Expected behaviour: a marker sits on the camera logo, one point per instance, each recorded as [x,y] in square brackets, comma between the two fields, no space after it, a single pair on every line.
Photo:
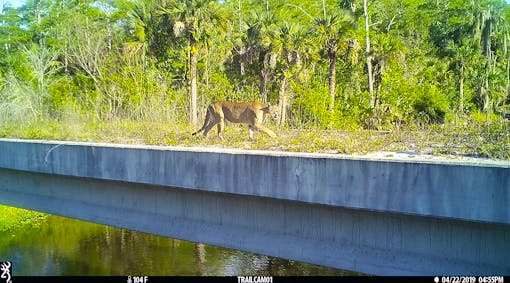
[6,269]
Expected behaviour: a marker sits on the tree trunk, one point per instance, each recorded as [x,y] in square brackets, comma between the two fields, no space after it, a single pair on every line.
[332,81]
[508,80]
[264,75]
[506,40]
[461,88]
[193,79]
[369,57]
[6,44]
[283,100]
[485,95]
[242,50]
[486,36]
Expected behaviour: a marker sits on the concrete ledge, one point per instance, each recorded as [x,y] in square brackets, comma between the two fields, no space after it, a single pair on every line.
[466,190]
[364,241]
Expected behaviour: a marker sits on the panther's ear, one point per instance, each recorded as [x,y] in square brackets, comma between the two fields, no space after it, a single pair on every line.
[266,109]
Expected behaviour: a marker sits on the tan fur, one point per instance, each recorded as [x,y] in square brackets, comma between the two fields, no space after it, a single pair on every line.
[251,113]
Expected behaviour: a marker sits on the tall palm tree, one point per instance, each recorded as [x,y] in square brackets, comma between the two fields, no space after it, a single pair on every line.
[463,56]
[332,30]
[368,55]
[191,19]
[258,47]
[289,40]
[490,30]
[139,18]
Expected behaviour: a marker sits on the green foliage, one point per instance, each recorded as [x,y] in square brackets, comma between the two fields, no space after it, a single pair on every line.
[218,88]
[311,107]
[430,105]
[63,97]
[13,219]
[132,60]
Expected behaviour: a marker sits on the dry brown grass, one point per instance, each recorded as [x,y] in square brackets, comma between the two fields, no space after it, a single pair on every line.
[489,140]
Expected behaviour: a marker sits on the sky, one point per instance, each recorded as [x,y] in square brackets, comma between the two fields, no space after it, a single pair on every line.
[17,3]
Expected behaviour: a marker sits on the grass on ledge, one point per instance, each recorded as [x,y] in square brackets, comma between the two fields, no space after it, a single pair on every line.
[468,138]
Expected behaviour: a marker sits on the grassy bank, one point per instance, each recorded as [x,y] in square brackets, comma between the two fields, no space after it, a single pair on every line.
[13,219]
[470,137]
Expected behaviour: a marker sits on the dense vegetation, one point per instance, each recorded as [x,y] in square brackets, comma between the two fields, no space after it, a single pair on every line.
[13,219]
[329,65]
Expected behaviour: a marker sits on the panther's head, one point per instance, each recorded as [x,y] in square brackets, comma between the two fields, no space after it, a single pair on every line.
[273,111]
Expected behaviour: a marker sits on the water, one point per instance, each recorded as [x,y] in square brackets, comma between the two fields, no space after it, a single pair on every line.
[63,246]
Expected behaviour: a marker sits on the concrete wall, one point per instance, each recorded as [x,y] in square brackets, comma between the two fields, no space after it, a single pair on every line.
[385,216]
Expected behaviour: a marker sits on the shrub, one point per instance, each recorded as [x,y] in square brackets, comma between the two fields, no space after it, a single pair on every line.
[430,105]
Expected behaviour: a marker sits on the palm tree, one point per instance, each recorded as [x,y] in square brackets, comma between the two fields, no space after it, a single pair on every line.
[385,50]
[490,30]
[463,58]
[368,55]
[258,47]
[331,29]
[190,19]
[139,18]
[289,40]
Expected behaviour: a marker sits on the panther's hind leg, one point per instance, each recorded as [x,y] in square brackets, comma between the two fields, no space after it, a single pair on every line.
[221,126]
[209,126]
[250,132]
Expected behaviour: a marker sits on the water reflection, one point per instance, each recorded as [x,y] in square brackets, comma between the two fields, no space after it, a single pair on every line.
[62,246]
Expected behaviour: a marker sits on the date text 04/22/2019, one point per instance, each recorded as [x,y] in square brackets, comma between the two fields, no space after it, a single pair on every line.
[472,279]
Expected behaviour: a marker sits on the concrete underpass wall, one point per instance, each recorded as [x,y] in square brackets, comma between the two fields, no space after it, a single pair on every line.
[373,216]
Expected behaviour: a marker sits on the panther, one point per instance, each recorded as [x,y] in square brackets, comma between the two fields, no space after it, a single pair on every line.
[251,113]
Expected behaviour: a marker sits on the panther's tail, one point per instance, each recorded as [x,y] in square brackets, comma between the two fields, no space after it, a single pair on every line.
[207,119]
